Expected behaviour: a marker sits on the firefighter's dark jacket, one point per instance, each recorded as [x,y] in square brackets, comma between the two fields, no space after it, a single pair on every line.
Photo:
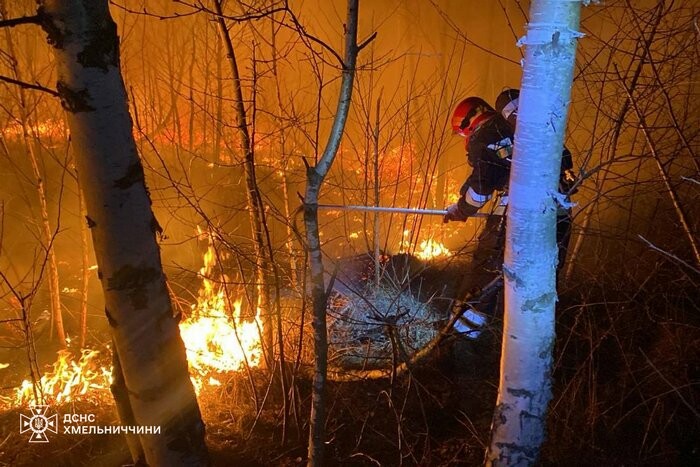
[489,154]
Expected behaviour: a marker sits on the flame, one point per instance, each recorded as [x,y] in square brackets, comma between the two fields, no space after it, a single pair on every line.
[430,249]
[67,381]
[427,249]
[48,129]
[217,337]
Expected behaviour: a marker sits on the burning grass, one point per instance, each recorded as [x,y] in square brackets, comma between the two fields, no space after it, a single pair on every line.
[217,336]
[85,378]
[367,329]
[430,249]
[218,339]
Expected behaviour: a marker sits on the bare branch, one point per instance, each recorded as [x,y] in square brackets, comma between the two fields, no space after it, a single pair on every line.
[12,22]
[198,7]
[145,12]
[464,37]
[673,388]
[679,208]
[669,255]
[313,38]
[255,14]
[510,26]
[22,84]
[366,42]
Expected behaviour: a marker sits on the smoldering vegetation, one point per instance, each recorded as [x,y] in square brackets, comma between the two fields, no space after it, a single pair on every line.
[627,354]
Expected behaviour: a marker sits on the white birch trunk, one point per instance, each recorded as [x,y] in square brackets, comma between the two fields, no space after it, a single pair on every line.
[518,428]
[146,335]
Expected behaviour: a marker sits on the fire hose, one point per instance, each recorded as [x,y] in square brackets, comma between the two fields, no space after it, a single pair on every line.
[420,212]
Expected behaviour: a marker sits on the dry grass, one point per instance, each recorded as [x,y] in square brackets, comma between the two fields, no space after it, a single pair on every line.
[362,326]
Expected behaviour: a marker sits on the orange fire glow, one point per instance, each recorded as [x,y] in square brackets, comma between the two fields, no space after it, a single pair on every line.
[430,249]
[216,337]
[48,129]
[426,250]
[218,340]
[67,381]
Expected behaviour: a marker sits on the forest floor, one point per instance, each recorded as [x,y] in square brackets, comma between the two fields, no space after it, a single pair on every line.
[626,392]
[438,415]
[422,419]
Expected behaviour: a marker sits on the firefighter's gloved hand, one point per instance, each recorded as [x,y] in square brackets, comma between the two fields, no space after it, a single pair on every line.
[460,211]
[453,214]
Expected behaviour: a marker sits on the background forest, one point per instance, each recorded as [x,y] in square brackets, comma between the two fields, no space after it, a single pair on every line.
[230,227]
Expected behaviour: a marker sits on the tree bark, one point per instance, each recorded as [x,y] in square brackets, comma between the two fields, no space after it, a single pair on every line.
[146,336]
[255,204]
[85,283]
[518,427]
[315,176]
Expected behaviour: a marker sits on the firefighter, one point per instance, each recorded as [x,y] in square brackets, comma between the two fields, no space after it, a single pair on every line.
[507,106]
[489,135]
[489,144]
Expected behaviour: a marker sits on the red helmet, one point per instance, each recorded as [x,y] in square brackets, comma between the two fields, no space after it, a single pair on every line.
[469,115]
